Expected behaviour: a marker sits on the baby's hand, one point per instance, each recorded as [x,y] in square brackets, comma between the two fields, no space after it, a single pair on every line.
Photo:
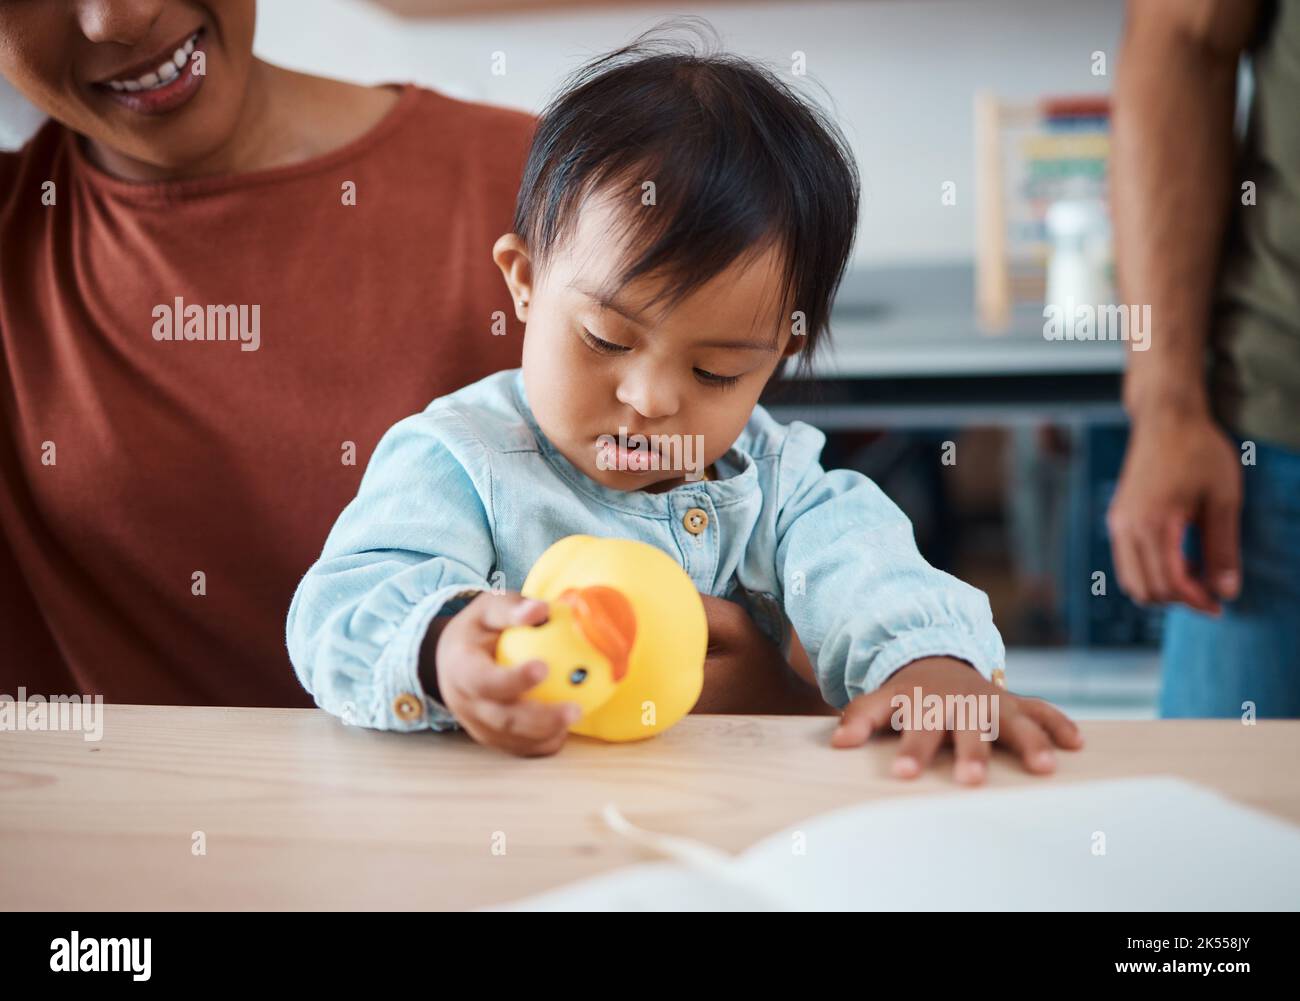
[485,697]
[1028,727]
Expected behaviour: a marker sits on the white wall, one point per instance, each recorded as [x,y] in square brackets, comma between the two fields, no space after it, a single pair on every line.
[18,119]
[900,74]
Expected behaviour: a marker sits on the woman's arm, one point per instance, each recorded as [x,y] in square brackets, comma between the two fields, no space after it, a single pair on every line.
[744,671]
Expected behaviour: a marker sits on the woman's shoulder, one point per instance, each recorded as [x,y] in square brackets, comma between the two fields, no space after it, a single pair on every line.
[23,171]
[463,113]
[459,153]
[470,128]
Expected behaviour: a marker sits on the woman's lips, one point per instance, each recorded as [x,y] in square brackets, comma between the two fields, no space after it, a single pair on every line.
[164,88]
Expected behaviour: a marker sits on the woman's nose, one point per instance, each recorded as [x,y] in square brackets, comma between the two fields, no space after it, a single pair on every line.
[650,396]
[126,22]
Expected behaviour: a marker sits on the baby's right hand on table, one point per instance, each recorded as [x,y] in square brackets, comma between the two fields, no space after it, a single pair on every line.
[485,697]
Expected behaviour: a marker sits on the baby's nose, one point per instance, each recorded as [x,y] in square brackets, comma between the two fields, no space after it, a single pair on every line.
[649,397]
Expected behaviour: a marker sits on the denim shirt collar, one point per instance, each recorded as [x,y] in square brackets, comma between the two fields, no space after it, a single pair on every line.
[733,489]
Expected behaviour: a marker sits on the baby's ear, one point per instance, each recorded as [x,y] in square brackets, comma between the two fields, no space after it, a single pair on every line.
[794,343]
[511,255]
[794,329]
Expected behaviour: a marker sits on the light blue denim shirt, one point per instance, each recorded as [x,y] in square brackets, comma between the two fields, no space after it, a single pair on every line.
[465,497]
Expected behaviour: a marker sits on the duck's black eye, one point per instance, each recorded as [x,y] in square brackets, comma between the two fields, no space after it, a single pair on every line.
[577,676]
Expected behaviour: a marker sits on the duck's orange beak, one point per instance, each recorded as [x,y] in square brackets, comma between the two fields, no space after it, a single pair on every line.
[607,620]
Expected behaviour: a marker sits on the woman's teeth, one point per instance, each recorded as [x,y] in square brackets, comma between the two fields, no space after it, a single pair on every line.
[164,74]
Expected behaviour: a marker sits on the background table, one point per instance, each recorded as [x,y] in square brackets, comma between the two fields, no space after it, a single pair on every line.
[301,811]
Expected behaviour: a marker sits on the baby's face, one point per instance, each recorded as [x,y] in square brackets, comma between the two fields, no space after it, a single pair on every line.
[600,372]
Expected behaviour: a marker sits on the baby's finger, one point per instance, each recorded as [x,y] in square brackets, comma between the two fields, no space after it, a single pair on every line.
[1062,729]
[540,749]
[972,756]
[501,611]
[532,721]
[505,684]
[519,746]
[861,717]
[1023,735]
[915,751]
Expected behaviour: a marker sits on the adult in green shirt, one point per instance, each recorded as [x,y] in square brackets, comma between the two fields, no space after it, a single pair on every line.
[1208,234]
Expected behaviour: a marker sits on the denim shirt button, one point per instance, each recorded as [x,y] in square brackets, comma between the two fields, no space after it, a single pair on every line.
[696,520]
[407,707]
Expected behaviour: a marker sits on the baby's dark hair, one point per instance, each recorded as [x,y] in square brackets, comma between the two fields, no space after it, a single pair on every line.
[738,160]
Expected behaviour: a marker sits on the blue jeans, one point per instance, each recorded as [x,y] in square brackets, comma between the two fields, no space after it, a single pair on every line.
[1251,653]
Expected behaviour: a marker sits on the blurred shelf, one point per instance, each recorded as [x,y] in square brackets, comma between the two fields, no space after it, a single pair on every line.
[905,350]
[920,320]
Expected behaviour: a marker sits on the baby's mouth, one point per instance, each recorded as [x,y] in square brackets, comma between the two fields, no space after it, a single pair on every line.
[632,460]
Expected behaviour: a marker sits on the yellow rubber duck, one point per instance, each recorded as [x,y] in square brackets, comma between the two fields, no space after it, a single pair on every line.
[625,639]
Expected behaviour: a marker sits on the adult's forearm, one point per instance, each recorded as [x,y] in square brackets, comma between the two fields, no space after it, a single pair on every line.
[1171,193]
[745,672]
[763,683]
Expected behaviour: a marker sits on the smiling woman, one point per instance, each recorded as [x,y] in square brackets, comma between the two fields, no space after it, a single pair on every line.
[155,89]
[177,168]
[118,73]
[177,172]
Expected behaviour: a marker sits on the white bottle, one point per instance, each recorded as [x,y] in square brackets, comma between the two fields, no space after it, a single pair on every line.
[1078,270]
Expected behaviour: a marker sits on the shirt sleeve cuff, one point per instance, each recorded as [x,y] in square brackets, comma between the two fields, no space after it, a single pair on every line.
[404,704]
[942,642]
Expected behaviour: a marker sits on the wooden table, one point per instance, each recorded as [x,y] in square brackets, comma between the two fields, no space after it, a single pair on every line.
[299,811]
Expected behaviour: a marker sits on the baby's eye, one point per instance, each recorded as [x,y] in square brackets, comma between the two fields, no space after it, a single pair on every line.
[577,676]
[716,380]
[602,345]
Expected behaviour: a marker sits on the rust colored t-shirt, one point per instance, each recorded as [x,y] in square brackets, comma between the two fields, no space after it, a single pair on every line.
[170,467]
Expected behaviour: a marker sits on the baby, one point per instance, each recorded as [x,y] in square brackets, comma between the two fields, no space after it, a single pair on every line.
[682,226]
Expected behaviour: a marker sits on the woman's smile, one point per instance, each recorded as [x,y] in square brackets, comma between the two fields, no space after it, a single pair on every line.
[159,84]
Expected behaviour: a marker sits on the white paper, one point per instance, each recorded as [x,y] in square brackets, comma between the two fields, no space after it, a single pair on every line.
[1154,843]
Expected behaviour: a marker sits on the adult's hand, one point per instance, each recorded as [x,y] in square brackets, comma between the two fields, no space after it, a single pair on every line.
[1180,469]
[1172,174]
[744,672]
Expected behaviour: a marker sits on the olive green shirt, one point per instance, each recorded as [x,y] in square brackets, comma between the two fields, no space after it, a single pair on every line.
[1255,335]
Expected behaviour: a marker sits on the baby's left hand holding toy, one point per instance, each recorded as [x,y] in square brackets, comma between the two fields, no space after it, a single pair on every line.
[955,699]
